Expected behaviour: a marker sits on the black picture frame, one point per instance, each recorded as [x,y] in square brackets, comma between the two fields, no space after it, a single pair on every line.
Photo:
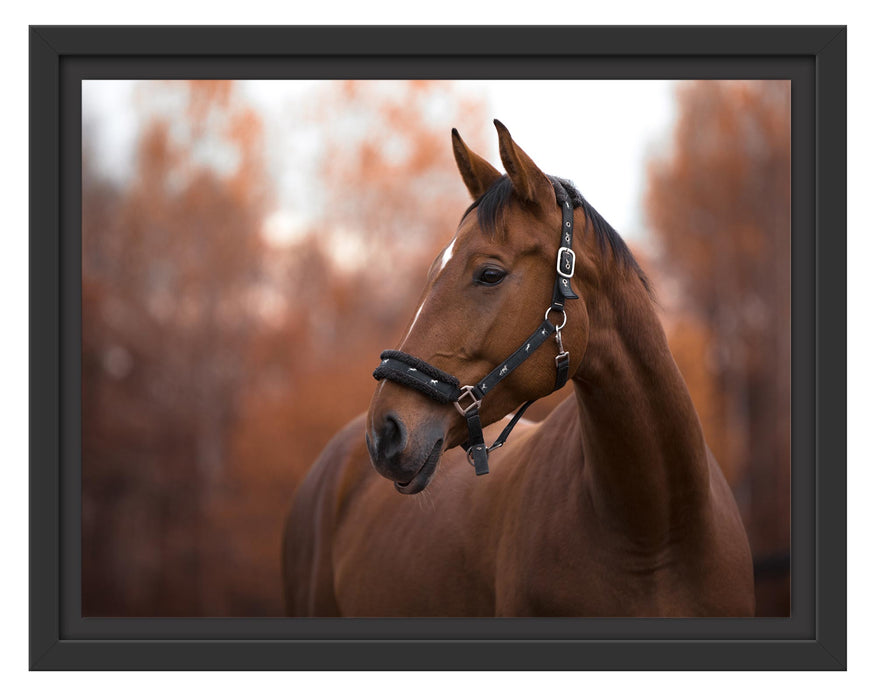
[813,58]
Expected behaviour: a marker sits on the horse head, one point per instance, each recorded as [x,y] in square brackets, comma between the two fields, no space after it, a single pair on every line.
[487,293]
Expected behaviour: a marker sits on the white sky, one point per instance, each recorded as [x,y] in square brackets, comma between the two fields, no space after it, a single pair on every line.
[596,133]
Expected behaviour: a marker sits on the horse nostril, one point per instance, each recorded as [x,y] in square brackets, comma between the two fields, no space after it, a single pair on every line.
[392,438]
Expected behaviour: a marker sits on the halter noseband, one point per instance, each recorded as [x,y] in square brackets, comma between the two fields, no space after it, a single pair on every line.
[444,388]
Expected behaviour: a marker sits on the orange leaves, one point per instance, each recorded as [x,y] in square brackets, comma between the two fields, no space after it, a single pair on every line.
[205,96]
[389,173]
[720,203]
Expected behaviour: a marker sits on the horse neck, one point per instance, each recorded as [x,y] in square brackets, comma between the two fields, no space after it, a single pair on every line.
[645,456]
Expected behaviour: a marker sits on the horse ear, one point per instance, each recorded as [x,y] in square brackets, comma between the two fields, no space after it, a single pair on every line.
[530,183]
[476,172]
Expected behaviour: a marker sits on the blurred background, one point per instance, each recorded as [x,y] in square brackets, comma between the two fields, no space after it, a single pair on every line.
[240,237]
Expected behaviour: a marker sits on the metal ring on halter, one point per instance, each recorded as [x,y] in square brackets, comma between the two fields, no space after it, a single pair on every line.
[562,325]
[469,452]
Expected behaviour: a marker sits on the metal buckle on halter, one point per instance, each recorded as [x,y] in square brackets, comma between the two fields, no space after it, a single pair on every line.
[467,391]
[565,259]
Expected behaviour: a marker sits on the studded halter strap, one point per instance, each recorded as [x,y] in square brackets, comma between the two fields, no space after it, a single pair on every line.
[420,376]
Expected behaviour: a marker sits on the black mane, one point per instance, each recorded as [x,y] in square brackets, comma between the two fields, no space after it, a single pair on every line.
[491,204]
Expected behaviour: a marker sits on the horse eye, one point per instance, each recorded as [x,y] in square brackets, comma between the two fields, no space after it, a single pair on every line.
[490,276]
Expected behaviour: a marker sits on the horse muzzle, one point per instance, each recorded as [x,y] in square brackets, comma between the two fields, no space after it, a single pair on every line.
[423,476]
[407,460]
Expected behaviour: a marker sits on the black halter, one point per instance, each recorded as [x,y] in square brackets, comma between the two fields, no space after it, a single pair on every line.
[417,374]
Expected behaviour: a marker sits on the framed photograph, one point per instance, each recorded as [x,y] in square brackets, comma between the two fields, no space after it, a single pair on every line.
[280,275]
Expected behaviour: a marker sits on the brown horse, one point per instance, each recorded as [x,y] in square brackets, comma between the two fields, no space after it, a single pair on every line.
[612,506]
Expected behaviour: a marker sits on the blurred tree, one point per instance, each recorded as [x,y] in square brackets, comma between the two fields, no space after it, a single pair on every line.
[169,264]
[719,204]
[389,176]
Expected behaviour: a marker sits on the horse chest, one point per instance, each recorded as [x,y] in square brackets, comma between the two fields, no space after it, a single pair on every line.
[584,587]
[569,565]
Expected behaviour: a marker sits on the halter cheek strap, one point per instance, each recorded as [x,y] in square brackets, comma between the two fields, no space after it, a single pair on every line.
[416,374]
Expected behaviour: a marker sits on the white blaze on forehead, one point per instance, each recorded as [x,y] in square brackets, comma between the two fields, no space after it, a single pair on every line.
[448,253]
[445,258]
[418,311]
